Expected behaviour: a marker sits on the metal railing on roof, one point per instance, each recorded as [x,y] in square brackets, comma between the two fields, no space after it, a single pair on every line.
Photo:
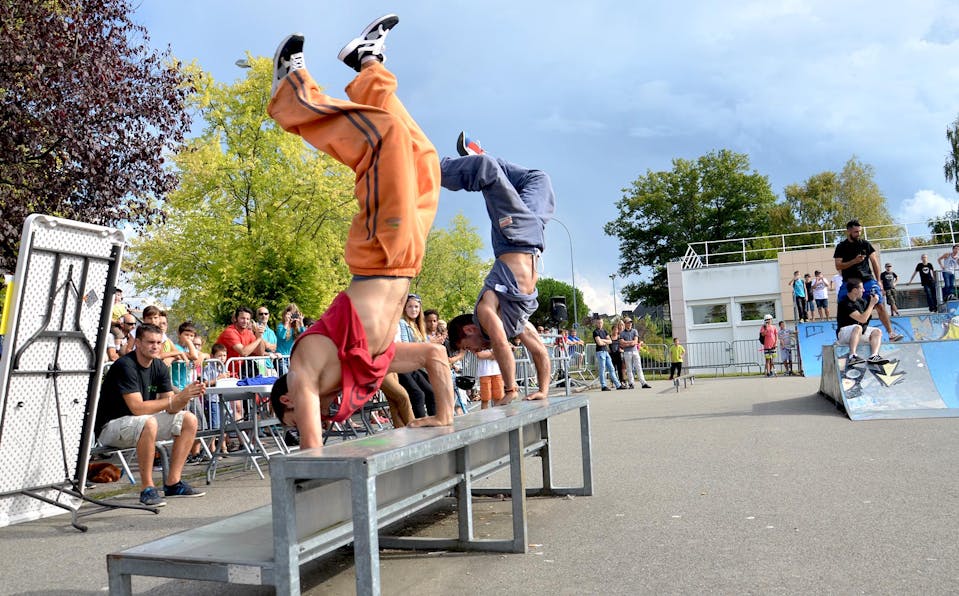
[765,248]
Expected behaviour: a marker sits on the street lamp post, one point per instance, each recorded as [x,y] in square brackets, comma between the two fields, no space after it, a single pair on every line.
[612,276]
[572,271]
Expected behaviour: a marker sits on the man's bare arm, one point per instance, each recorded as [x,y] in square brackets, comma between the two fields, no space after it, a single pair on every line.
[540,356]
[502,349]
[303,383]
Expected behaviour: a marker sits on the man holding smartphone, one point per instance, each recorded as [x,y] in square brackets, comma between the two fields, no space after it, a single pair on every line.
[856,258]
[852,323]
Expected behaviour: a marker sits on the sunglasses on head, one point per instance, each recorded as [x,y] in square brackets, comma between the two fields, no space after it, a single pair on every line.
[414,297]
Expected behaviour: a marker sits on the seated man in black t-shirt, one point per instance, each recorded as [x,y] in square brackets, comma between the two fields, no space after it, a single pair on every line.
[852,323]
[137,407]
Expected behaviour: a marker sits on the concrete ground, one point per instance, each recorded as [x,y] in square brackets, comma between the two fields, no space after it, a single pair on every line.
[739,485]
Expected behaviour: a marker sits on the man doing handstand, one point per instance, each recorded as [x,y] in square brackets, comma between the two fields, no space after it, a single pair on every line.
[350,349]
[520,203]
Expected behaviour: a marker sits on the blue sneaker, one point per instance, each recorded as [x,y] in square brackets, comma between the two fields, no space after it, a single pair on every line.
[151,498]
[467,146]
[371,42]
[181,489]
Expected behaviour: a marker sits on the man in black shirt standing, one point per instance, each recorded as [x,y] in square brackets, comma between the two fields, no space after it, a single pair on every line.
[858,259]
[927,276]
[889,280]
[137,407]
[852,323]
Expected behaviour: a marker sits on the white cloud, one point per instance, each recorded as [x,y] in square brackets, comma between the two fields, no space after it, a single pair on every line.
[925,205]
[598,294]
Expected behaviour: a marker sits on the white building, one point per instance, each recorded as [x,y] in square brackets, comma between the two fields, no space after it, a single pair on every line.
[726,302]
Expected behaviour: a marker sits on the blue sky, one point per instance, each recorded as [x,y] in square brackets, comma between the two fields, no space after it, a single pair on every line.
[597,93]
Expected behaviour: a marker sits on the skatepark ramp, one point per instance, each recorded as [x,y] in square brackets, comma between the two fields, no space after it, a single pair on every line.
[813,336]
[921,380]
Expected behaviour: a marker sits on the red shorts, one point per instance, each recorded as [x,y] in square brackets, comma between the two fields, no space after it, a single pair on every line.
[362,373]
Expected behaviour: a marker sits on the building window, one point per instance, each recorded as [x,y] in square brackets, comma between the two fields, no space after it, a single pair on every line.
[704,314]
[755,311]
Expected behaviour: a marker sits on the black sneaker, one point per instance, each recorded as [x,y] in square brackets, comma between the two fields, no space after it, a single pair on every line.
[371,42]
[288,57]
[606,389]
[877,359]
[181,489]
[151,498]
[645,386]
[291,438]
[631,386]
[622,388]
[854,359]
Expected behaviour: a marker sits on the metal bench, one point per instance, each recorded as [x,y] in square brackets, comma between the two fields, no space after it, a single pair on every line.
[349,491]
[687,378]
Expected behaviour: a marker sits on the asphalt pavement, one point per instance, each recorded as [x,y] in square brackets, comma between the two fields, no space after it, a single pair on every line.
[734,485]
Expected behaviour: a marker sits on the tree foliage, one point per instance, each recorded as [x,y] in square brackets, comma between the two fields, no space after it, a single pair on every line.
[259,217]
[87,110]
[714,197]
[951,167]
[944,229]
[453,272]
[826,201]
[547,287]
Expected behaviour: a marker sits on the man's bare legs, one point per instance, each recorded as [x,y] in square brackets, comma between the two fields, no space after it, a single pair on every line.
[432,357]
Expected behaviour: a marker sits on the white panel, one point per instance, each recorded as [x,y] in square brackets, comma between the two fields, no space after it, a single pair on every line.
[50,356]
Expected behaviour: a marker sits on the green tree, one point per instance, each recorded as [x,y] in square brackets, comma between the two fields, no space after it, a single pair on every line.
[88,111]
[944,229]
[951,167]
[714,197]
[453,272]
[826,201]
[259,217]
[547,287]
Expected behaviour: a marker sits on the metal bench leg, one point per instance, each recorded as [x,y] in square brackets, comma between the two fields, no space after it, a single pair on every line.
[546,460]
[286,558]
[518,489]
[366,540]
[464,496]
[586,446]
[120,583]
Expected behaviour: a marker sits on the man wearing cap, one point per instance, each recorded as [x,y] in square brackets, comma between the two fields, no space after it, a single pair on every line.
[769,336]
[889,279]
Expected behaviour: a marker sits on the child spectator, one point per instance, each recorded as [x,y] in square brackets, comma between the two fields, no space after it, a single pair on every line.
[676,353]
[787,340]
[490,378]
[769,335]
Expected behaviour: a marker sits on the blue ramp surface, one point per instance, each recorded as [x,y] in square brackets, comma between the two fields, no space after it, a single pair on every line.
[813,336]
[921,380]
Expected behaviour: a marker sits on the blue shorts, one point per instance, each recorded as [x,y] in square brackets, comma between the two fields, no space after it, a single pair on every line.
[822,302]
[868,287]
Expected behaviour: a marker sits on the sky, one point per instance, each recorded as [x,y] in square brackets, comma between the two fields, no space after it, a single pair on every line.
[599,93]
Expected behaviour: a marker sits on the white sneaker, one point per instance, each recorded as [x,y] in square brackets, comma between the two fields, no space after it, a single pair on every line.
[371,42]
[288,58]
